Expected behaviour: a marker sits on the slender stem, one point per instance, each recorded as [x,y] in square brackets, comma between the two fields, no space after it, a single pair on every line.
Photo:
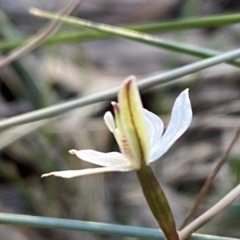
[211,213]
[210,179]
[157,202]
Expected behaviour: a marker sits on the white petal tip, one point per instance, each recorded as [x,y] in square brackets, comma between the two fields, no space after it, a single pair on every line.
[47,175]
[72,151]
[186,91]
[109,121]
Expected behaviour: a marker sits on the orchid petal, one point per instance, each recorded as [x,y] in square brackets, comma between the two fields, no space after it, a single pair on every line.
[155,127]
[103,159]
[132,119]
[181,118]
[111,124]
[78,173]
[109,121]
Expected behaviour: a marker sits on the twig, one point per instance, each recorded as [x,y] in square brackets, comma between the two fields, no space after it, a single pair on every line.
[40,36]
[211,213]
[210,179]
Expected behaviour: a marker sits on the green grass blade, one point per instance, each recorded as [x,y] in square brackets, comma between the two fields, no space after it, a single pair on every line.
[158,79]
[135,36]
[93,227]
[202,22]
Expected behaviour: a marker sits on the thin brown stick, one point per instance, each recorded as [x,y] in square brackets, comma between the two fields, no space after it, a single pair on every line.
[39,37]
[210,179]
[211,213]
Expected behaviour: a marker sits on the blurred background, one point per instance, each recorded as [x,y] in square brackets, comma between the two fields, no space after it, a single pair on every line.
[59,72]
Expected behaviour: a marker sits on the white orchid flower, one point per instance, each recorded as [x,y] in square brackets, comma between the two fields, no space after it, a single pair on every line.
[138,132]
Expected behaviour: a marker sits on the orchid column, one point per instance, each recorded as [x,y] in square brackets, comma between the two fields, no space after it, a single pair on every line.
[139,134]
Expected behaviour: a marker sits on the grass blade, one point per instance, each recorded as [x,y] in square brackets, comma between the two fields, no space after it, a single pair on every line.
[134,35]
[158,79]
[201,22]
[93,227]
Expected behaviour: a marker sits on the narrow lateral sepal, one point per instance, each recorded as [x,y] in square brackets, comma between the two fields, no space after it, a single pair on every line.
[157,202]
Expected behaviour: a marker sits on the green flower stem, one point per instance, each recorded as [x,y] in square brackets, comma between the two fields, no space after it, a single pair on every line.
[157,202]
[93,227]
[134,35]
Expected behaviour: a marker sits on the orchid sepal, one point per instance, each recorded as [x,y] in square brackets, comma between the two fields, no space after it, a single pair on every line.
[88,171]
[180,120]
